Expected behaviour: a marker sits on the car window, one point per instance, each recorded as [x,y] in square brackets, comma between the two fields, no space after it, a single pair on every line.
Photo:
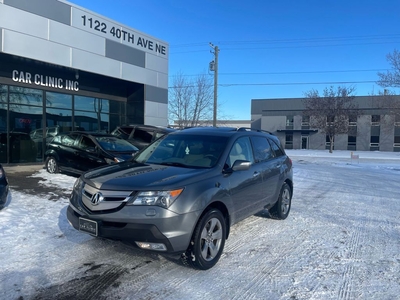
[122,132]
[51,132]
[241,150]
[262,148]
[37,134]
[277,150]
[86,143]
[143,135]
[68,140]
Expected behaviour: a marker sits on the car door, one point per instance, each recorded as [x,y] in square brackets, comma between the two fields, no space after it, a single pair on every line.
[245,185]
[269,167]
[65,150]
[87,154]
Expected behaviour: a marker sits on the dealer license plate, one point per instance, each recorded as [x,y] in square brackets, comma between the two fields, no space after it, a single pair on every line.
[88,226]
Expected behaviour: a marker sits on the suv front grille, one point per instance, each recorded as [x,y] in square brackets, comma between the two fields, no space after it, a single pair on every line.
[96,200]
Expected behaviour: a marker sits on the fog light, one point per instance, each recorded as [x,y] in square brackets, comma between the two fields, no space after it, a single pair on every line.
[151,246]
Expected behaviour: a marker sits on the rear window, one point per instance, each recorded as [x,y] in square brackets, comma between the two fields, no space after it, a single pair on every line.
[143,135]
[123,132]
[278,151]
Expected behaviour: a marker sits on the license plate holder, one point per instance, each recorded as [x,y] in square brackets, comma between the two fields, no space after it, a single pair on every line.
[88,226]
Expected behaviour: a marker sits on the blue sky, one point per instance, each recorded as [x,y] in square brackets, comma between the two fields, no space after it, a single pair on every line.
[268,49]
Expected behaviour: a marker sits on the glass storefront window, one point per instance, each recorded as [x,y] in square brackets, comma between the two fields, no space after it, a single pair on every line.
[57,100]
[25,96]
[92,121]
[3,107]
[92,104]
[60,117]
[3,93]
[25,115]
[24,129]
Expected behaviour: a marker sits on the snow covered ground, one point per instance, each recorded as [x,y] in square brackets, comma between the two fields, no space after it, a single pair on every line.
[340,241]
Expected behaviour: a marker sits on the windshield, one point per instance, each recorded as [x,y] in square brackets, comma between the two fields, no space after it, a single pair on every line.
[115,144]
[184,150]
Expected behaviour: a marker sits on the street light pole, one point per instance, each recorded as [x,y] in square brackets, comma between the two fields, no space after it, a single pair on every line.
[216,51]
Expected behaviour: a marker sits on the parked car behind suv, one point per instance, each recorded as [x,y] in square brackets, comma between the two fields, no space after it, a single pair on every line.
[141,135]
[181,194]
[79,151]
[49,133]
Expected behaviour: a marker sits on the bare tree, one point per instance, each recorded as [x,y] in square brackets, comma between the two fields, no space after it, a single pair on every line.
[191,101]
[388,100]
[391,78]
[330,113]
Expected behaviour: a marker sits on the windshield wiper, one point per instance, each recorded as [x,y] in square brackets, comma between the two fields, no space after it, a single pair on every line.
[175,164]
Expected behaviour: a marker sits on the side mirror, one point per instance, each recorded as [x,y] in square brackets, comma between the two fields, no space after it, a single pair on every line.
[91,149]
[241,165]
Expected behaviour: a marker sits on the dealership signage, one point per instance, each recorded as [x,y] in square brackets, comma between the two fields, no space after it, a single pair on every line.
[44,80]
[97,25]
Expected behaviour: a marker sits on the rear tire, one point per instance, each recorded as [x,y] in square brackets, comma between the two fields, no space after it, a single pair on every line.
[52,165]
[281,208]
[208,241]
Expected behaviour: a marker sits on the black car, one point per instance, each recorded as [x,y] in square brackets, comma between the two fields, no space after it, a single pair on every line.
[181,194]
[78,151]
[141,135]
[4,189]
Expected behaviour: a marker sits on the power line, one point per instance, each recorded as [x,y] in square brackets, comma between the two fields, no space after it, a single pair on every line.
[280,83]
[270,41]
[296,83]
[302,43]
[293,72]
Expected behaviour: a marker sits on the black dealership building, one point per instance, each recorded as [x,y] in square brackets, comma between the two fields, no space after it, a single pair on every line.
[67,67]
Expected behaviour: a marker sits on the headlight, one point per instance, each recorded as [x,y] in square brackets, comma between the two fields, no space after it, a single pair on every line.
[159,198]
[78,185]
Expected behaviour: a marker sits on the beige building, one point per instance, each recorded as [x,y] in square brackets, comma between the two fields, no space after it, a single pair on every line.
[376,129]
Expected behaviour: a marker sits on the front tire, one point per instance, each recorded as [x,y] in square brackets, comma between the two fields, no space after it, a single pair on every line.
[281,208]
[52,165]
[208,241]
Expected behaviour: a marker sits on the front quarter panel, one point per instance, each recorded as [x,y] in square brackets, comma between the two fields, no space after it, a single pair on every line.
[197,196]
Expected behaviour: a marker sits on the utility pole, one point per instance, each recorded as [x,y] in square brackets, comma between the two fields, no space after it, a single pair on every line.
[214,67]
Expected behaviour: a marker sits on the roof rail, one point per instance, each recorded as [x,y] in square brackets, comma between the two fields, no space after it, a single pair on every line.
[253,129]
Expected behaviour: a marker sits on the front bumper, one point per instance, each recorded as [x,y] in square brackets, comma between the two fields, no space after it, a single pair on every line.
[173,232]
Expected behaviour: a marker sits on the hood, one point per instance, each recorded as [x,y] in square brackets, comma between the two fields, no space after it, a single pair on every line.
[128,176]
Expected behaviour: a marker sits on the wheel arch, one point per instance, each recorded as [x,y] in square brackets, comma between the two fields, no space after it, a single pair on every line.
[53,153]
[290,183]
[223,209]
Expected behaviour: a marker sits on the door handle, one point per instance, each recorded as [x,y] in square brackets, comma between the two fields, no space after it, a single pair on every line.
[255,174]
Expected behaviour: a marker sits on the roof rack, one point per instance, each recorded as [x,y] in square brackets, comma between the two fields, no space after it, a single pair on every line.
[253,129]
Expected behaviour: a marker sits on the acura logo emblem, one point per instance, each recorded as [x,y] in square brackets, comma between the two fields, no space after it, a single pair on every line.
[96,198]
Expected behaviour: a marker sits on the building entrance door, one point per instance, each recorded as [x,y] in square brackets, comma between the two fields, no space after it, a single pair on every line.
[304,142]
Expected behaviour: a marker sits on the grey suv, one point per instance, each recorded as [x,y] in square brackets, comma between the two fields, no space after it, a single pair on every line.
[181,194]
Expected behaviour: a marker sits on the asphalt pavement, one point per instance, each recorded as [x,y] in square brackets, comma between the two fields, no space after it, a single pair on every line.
[19,179]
